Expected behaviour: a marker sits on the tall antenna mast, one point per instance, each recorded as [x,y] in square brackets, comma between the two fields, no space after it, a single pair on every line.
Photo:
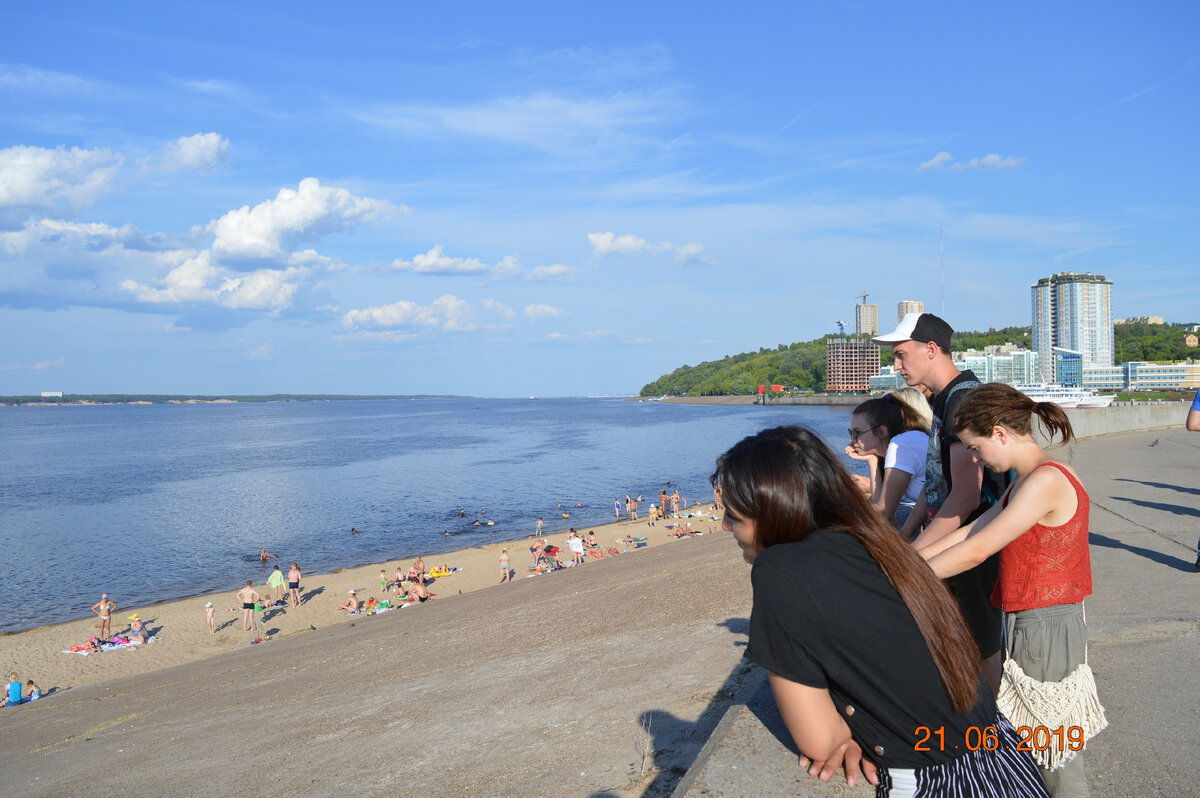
[942,266]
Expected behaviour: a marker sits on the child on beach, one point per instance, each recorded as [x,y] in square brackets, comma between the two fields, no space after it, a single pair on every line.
[505,570]
[35,692]
[383,580]
[210,617]
[1040,528]
[14,691]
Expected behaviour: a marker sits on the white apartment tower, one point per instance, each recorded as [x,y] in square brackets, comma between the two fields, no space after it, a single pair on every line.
[1072,311]
[866,319]
[908,306]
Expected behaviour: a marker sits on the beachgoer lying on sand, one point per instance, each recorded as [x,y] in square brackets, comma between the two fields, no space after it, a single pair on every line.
[350,604]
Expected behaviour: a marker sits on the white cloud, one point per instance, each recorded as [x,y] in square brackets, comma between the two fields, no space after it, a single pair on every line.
[991,162]
[988,162]
[41,365]
[38,180]
[555,336]
[447,313]
[548,122]
[435,261]
[536,312]
[264,351]
[936,162]
[498,308]
[198,280]
[611,244]
[202,152]
[689,253]
[272,229]
[550,272]
[20,77]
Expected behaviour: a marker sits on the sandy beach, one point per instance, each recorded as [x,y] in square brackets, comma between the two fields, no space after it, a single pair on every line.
[181,634]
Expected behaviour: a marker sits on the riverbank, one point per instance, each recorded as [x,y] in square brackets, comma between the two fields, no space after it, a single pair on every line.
[182,636]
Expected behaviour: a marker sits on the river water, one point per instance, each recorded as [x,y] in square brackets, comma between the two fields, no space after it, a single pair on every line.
[156,502]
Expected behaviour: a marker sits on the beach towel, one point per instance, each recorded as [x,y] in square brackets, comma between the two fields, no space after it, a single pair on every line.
[106,647]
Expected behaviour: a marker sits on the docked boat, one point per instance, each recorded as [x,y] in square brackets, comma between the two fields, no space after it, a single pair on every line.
[1065,396]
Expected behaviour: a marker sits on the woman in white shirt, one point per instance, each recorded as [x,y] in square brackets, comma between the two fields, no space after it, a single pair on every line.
[891,435]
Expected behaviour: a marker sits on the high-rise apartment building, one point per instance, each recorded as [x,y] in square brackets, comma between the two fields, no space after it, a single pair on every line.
[1072,311]
[908,306]
[866,319]
[851,365]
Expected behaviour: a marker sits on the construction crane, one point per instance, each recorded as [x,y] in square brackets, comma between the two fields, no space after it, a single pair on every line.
[863,296]
[841,328]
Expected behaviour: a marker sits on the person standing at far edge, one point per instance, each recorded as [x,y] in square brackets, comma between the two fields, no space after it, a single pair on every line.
[1193,425]
[957,489]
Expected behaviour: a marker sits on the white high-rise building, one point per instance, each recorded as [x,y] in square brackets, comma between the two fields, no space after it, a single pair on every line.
[1072,311]
[866,319]
[908,306]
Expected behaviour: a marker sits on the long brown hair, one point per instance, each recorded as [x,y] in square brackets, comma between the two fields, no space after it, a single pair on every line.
[790,484]
[996,404]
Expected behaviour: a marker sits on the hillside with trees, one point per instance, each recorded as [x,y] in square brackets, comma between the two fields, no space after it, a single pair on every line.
[802,365]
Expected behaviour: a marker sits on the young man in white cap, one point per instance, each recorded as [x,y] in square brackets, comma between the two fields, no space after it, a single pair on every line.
[957,489]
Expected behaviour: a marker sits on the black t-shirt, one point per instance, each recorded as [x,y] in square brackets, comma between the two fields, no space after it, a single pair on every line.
[825,615]
[972,588]
[945,405]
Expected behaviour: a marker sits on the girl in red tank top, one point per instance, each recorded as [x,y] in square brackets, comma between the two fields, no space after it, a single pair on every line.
[1040,525]
[1040,528]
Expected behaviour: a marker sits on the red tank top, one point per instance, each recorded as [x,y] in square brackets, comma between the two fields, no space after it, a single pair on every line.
[1047,565]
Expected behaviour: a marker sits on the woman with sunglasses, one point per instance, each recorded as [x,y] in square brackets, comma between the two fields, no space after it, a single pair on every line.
[891,436]
[869,659]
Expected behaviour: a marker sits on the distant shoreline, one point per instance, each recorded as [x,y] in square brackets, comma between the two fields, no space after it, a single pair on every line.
[91,400]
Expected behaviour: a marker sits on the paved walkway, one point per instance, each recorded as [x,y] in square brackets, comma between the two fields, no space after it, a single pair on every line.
[1143,628]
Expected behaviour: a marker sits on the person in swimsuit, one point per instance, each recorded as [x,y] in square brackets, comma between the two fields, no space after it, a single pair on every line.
[105,608]
[350,604]
[210,617]
[265,555]
[138,630]
[294,585]
[248,595]
[505,571]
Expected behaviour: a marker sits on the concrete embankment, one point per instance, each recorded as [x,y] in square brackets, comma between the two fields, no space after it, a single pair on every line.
[1142,628]
[1092,422]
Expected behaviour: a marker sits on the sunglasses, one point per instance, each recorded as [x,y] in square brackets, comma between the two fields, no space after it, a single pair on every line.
[855,434]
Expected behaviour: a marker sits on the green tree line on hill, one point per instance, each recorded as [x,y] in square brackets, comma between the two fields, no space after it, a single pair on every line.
[803,365]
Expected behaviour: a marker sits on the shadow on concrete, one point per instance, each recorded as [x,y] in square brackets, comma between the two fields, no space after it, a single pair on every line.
[1176,509]
[661,728]
[1163,485]
[1096,539]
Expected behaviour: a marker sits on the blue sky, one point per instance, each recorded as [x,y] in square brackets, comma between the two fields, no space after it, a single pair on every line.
[550,199]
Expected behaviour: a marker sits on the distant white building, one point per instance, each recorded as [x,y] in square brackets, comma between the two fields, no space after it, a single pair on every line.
[1007,363]
[907,306]
[1072,311]
[866,319]
[52,394]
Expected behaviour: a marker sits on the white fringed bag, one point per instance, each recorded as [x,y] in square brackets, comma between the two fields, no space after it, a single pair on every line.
[1025,701]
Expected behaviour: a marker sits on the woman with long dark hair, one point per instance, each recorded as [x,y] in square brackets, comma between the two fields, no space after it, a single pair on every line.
[1040,528]
[867,654]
